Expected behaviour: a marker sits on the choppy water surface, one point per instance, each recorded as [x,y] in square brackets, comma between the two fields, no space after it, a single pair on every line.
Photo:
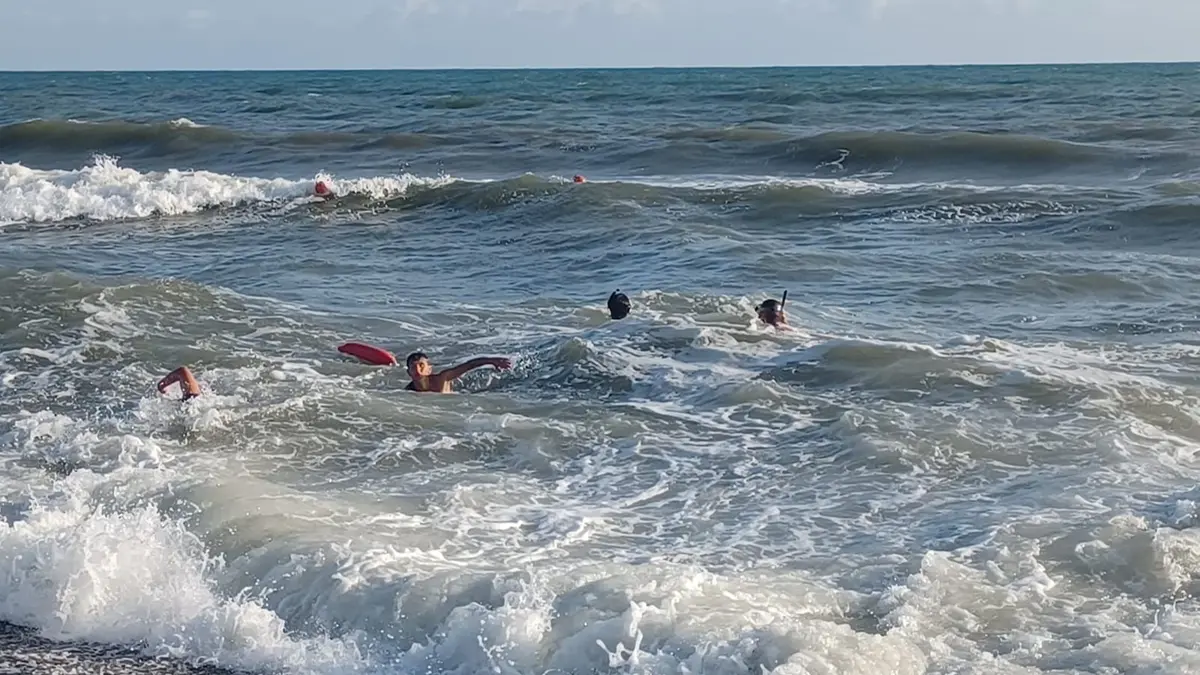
[975,452]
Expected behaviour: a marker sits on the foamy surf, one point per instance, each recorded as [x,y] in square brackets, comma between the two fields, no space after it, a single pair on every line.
[975,453]
[80,568]
[106,191]
[716,183]
[861,185]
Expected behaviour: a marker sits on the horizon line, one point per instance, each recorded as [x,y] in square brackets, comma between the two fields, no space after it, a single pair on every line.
[301,69]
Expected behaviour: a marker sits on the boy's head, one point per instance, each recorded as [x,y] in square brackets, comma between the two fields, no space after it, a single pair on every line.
[418,365]
[618,305]
[771,312]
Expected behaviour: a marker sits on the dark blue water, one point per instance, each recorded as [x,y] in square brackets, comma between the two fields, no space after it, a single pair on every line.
[974,451]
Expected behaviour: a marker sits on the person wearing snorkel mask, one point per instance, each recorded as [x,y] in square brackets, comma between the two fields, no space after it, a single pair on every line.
[771,313]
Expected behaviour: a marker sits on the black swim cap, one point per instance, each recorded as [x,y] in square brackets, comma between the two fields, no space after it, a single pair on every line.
[413,358]
[618,305]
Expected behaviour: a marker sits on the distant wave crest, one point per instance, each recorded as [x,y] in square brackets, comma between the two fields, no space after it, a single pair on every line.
[181,135]
[106,191]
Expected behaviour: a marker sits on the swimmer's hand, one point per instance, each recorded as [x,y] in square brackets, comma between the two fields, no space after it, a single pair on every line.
[500,363]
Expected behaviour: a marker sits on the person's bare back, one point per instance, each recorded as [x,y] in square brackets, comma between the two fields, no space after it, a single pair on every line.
[424,380]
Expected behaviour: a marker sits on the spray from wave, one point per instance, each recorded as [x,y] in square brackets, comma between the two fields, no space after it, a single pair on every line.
[107,191]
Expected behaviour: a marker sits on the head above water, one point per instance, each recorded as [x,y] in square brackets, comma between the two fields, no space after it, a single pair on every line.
[418,365]
[618,305]
[771,312]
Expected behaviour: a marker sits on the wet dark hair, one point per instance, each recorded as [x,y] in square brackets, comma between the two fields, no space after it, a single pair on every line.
[771,305]
[769,311]
[413,358]
[618,305]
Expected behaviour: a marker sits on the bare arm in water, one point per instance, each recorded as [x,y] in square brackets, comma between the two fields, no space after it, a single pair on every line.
[451,374]
[424,379]
[187,382]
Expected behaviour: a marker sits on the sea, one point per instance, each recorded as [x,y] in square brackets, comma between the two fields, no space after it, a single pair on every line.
[973,451]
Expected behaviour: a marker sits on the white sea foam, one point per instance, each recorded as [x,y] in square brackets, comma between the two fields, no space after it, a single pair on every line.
[734,182]
[384,187]
[891,513]
[107,191]
[76,569]
[860,185]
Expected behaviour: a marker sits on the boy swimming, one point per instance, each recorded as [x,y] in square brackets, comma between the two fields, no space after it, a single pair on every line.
[419,369]
[426,381]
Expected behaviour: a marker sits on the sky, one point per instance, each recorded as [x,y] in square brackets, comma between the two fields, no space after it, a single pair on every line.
[337,34]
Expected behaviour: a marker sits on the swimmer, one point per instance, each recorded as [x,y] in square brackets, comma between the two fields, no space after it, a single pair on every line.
[426,381]
[187,383]
[321,190]
[579,178]
[419,369]
[618,305]
[771,312]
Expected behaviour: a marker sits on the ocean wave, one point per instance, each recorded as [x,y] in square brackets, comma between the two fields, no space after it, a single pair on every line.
[76,569]
[943,154]
[734,133]
[956,147]
[847,149]
[1180,188]
[110,136]
[273,591]
[1052,377]
[107,191]
[1120,133]
[709,522]
[872,93]
[1177,213]
[667,149]
[180,135]
[904,372]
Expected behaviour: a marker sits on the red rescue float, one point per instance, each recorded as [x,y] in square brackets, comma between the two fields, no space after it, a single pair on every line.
[369,354]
